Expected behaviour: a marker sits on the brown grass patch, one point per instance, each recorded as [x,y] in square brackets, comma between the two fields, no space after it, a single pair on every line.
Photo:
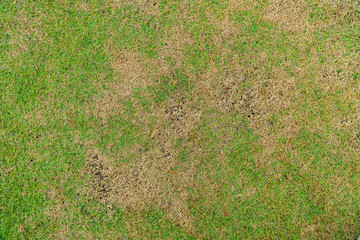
[97,167]
[84,6]
[142,183]
[290,14]
[280,92]
[147,6]
[293,15]
[24,30]
[176,40]
[57,213]
[339,4]
[258,103]
[109,103]
[131,70]
[155,177]
[132,73]
[174,120]
[151,178]
[242,5]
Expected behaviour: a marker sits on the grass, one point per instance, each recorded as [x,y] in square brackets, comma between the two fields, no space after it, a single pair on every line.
[179,119]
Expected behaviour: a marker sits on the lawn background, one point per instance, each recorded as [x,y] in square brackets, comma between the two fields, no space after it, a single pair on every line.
[179,119]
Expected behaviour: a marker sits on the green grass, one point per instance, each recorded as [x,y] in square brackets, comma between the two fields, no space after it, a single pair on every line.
[220,175]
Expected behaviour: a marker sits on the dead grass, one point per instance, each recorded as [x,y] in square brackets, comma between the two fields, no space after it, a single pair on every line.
[148,6]
[142,183]
[295,15]
[131,71]
[291,15]
[176,40]
[242,5]
[272,90]
[58,212]
[27,30]
[156,177]
[258,103]
[150,179]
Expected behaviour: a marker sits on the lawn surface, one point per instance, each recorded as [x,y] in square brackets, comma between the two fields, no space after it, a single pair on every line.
[159,119]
